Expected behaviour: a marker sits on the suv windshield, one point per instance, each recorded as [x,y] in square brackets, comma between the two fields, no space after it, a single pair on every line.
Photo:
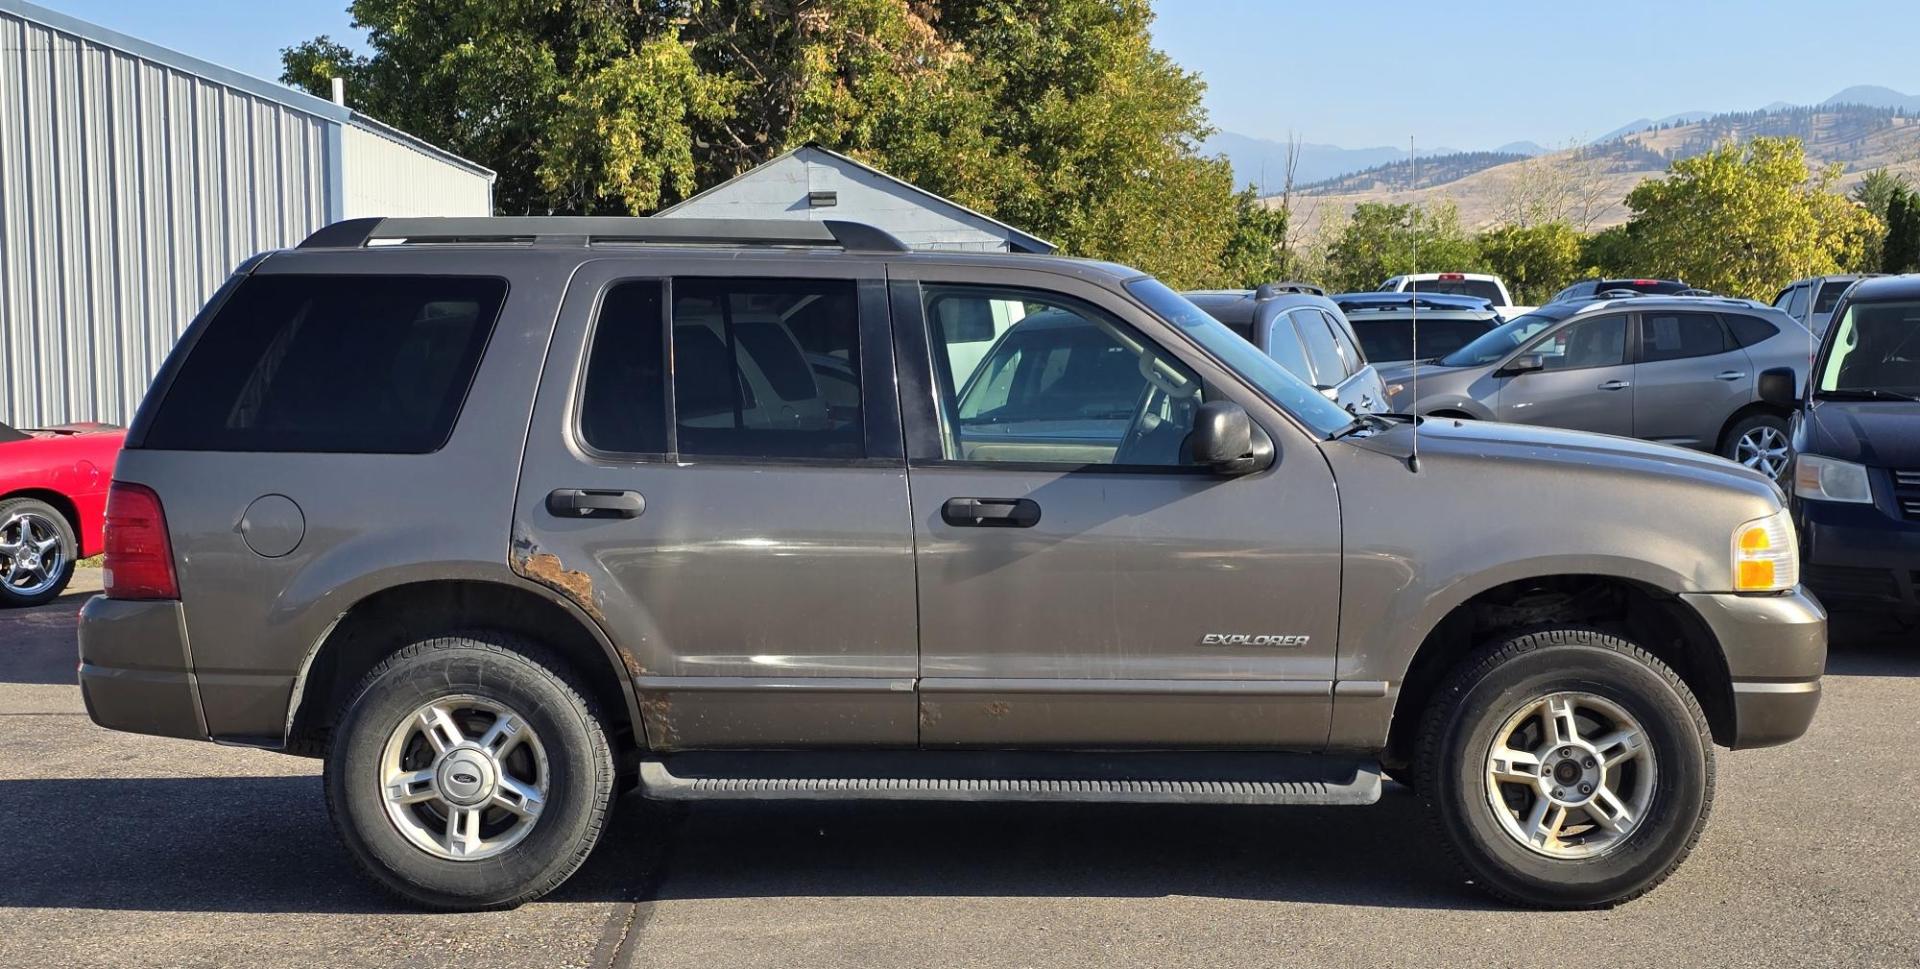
[1390,338]
[1258,369]
[1875,350]
[1501,340]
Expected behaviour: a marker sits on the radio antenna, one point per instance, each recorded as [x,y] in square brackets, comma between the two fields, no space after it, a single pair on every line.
[1413,229]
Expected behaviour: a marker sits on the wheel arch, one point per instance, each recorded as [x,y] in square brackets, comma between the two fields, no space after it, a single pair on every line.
[61,503]
[1657,620]
[383,621]
[1750,409]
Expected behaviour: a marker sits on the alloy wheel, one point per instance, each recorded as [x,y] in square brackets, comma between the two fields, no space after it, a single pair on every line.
[464,778]
[1570,776]
[31,557]
[1764,449]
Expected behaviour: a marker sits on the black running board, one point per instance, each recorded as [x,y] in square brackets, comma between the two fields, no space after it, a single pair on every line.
[1147,778]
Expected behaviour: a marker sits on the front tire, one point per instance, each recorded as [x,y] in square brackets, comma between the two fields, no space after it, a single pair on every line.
[37,552]
[1566,768]
[469,773]
[1759,442]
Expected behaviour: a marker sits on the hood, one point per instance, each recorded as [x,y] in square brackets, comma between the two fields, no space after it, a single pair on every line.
[1401,371]
[1880,433]
[1576,451]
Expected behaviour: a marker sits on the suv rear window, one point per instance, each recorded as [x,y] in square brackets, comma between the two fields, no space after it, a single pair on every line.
[1830,293]
[1485,289]
[331,363]
[1748,330]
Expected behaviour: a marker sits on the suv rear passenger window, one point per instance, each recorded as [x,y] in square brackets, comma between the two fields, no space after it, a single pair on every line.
[1317,333]
[1672,336]
[624,404]
[1748,330]
[329,363]
[767,368]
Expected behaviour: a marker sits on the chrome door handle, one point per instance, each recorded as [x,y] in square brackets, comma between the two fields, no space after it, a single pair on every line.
[1616,385]
[1729,375]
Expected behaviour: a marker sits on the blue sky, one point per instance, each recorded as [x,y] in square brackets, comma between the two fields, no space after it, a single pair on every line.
[1357,74]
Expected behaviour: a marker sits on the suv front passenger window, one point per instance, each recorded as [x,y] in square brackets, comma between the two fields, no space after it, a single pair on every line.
[1597,342]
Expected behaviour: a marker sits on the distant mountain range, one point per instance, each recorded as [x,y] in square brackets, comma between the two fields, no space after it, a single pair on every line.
[1262,162]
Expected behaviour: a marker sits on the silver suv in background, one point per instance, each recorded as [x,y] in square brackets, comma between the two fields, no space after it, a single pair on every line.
[504,517]
[1384,323]
[1305,332]
[1811,301]
[1675,369]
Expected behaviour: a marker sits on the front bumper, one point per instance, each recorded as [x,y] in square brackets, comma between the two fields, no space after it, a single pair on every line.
[1859,557]
[135,672]
[1776,651]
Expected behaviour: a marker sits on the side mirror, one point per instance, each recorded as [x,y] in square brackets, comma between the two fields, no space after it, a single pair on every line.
[1225,439]
[1780,387]
[1524,363]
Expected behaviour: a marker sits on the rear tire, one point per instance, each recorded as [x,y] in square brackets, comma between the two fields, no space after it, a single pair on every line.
[484,731]
[37,552]
[1529,725]
[1759,442]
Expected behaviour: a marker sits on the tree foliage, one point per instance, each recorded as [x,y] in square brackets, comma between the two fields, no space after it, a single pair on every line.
[1536,261]
[1381,240]
[1058,116]
[1744,217]
[1900,252]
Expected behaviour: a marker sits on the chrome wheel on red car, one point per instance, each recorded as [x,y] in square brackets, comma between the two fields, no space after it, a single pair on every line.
[36,552]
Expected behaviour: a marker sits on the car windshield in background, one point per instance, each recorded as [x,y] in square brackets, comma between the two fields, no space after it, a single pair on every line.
[1876,350]
[1391,339]
[1290,392]
[1501,340]
[1830,293]
[9,434]
[1485,289]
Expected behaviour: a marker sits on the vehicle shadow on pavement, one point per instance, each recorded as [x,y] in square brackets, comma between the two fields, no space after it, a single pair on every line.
[263,845]
[37,644]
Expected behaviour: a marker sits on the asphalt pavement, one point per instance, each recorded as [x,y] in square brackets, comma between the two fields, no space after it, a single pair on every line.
[117,850]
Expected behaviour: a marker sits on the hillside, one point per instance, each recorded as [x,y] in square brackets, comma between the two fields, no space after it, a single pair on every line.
[1860,137]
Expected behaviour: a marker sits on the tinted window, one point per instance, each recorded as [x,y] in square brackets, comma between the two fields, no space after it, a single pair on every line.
[1830,293]
[767,368]
[1748,330]
[1349,350]
[624,404]
[1598,342]
[364,364]
[1324,354]
[1797,302]
[1875,348]
[1284,347]
[1066,384]
[1671,336]
[1388,340]
[1483,288]
[1649,286]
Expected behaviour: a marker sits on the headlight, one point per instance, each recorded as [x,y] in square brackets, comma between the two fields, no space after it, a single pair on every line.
[1393,390]
[1766,557]
[1824,479]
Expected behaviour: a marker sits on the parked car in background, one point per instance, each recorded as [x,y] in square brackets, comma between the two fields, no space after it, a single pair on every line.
[1384,323]
[1485,286]
[1856,441]
[1298,326]
[1810,301]
[1675,369]
[53,496]
[1592,288]
[502,528]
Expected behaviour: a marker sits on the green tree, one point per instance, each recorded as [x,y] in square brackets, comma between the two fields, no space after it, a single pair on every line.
[1380,240]
[1744,218]
[1535,260]
[1614,251]
[1055,115]
[1256,250]
[1901,249]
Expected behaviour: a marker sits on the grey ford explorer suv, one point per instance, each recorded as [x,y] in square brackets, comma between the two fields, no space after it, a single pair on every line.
[1675,369]
[504,517]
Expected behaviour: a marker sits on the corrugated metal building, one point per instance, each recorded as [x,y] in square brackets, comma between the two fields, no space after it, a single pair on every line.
[134,178]
[812,182]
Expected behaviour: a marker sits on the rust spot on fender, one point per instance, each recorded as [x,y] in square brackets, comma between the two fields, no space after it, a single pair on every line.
[657,710]
[547,569]
[929,714]
[997,709]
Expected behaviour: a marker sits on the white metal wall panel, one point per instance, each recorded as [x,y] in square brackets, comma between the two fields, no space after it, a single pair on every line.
[385,176]
[129,189]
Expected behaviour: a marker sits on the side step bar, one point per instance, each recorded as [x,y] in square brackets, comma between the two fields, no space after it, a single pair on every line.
[1151,778]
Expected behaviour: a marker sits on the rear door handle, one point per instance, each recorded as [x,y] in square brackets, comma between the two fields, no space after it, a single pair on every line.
[586,503]
[1729,375]
[1616,385]
[991,512]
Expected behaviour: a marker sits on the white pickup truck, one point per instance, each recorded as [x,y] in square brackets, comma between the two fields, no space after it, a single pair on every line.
[1484,285]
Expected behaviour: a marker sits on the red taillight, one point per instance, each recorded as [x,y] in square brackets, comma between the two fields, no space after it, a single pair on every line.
[1646,282]
[139,554]
[1452,277]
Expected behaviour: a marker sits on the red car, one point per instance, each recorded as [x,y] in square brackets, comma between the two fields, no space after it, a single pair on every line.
[53,504]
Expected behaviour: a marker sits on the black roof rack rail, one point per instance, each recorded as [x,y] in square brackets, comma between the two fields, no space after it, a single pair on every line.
[585,230]
[1270,290]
